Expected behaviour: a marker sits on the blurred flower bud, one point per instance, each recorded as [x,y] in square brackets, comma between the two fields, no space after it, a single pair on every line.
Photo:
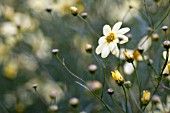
[117,77]
[74,102]
[94,86]
[149,29]
[129,35]
[149,61]
[49,9]
[128,57]
[84,15]
[53,94]
[88,48]
[53,108]
[55,51]
[157,0]
[130,7]
[164,28]
[35,86]
[110,91]
[155,36]
[140,49]
[74,11]
[92,68]
[156,99]
[146,97]
[166,44]
[127,84]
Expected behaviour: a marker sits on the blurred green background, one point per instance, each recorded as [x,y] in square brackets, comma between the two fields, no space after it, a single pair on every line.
[28,33]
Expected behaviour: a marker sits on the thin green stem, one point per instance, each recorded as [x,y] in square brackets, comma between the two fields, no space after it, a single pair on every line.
[42,99]
[104,81]
[125,98]
[166,61]
[63,64]
[131,93]
[139,85]
[118,106]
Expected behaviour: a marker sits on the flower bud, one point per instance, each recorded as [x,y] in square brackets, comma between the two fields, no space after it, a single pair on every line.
[156,99]
[88,48]
[49,9]
[117,77]
[128,84]
[55,51]
[155,36]
[74,11]
[84,15]
[129,35]
[53,108]
[149,30]
[140,49]
[164,28]
[128,57]
[110,91]
[94,86]
[166,44]
[35,86]
[92,68]
[53,94]
[146,97]
[74,102]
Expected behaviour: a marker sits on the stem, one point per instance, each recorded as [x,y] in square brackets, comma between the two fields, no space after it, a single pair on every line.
[116,104]
[45,103]
[166,61]
[104,81]
[139,85]
[125,98]
[63,64]
[131,93]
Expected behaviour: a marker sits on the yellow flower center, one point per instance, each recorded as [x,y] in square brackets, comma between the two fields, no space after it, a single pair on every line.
[110,37]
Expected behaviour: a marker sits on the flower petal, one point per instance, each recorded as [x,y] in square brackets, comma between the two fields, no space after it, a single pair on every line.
[116,27]
[123,39]
[102,40]
[105,52]
[106,30]
[145,42]
[115,51]
[128,68]
[112,45]
[100,48]
[164,55]
[122,31]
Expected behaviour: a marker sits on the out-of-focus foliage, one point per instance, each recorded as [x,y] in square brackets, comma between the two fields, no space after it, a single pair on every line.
[29,31]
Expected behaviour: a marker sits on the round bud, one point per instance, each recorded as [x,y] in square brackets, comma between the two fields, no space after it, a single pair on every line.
[149,29]
[74,11]
[166,44]
[164,28]
[129,35]
[53,108]
[49,9]
[140,49]
[156,99]
[35,86]
[110,91]
[92,68]
[127,84]
[74,102]
[53,94]
[155,36]
[55,51]
[84,15]
[88,48]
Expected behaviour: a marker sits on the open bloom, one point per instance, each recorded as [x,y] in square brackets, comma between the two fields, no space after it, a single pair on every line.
[146,97]
[117,77]
[108,42]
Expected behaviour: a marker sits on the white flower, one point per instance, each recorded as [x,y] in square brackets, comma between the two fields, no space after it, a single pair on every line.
[108,42]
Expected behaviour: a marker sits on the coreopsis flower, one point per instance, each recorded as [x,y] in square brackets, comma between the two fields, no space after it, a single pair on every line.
[146,97]
[112,37]
[117,77]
